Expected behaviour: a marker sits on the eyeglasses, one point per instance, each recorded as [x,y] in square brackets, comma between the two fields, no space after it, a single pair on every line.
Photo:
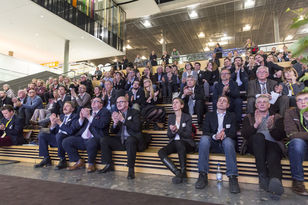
[121,102]
[301,100]
[96,101]
[225,74]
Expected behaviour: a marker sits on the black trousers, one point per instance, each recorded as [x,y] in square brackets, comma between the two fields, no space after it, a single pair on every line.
[268,156]
[200,110]
[176,146]
[109,144]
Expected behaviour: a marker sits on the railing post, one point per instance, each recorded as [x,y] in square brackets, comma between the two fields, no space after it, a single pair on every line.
[66,56]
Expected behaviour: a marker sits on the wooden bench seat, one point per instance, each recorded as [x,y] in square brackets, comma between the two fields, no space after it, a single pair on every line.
[149,162]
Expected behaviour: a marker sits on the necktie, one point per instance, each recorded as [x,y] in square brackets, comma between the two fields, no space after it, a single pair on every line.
[64,120]
[123,131]
[263,88]
[89,134]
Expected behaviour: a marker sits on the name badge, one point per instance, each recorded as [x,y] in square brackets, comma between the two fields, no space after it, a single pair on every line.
[11,127]
[138,96]
[296,119]
[184,124]
[129,118]
[228,126]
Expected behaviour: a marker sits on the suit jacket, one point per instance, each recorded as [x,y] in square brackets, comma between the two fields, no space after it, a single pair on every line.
[14,130]
[210,124]
[155,78]
[7,101]
[199,95]
[254,87]
[99,126]
[233,93]
[113,98]
[89,86]
[211,76]
[85,101]
[185,130]
[292,125]
[69,127]
[277,132]
[243,75]
[272,68]
[35,103]
[133,125]
[140,97]
[58,106]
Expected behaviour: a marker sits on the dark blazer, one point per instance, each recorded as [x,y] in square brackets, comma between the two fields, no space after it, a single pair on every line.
[155,77]
[210,124]
[14,130]
[89,86]
[233,93]
[243,75]
[199,95]
[58,106]
[185,130]
[6,101]
[140,97]
[293,126]
[69,127]
[254,87]
[133,125]
[99,126]
[272,68]
[211,76]
[113,98]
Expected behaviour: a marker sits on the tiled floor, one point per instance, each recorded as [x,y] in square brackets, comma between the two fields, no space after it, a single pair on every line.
[154,184]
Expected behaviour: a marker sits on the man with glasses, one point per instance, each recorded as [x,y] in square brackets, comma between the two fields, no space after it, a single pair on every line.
[92,128]
[263,85]
[127,127]
[296,127]
[226,86]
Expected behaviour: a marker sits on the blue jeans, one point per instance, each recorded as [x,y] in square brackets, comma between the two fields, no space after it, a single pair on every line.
[298,152]
[226,146]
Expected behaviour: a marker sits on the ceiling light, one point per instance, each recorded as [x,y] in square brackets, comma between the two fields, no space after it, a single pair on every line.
[193,14]
[41,16]
[128,46]
[289,37]
[143,58]
[211,44]
[247,27]
[115,60]
[201,35]
[206,49]
[147,24]
[36,34]
[249,4]
[161,41]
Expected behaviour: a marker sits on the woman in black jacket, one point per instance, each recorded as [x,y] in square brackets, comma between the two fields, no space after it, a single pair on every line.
[181,141]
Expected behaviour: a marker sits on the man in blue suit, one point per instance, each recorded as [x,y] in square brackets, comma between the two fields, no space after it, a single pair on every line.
[92,127]
[33,102]
[10,127]
[60,128]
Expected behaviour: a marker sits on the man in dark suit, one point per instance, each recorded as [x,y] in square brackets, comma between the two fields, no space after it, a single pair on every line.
[263,85]
[136,96]
[219,134]
[194,100]
[83,99]
[228,87]
[275,71]
[63,97]
[4,99]
[92,128]
[33,102]
[60,128]
[169,83]
[87,83]
[127,127]
[10,128]
[239,74]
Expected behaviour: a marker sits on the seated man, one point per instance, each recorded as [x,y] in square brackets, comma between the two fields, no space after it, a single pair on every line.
[92,127]
[10,128]
[239,75]
[263,85]
[33,102]
[229,88]
[83,99]
[193,97]
[136,96]
[127,126]
[60,128]
[263,132]
[296,127]
[219,134]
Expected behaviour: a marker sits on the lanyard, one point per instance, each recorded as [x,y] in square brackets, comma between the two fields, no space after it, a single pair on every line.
[8,122]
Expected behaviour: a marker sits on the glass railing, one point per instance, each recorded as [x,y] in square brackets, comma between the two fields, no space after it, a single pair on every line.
[102,19]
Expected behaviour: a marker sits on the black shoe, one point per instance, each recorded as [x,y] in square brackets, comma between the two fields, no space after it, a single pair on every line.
[178,178]
[62,164]
[45,162]
[234,188]
[107,168]
[275,186]
[131,173]
[263,182]
[202,181]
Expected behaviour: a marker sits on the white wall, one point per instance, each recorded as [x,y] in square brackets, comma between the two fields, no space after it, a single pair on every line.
[12,68]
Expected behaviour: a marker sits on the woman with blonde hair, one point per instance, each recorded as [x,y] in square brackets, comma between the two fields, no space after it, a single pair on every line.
[290,84]
[150,112]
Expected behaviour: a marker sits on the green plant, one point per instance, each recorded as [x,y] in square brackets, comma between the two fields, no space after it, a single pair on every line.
[300,47]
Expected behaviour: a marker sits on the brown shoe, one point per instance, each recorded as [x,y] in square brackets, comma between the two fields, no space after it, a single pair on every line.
[298,187]
[91,168]
[77,165]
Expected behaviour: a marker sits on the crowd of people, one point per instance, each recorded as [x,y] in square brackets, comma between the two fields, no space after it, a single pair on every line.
[80,116]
